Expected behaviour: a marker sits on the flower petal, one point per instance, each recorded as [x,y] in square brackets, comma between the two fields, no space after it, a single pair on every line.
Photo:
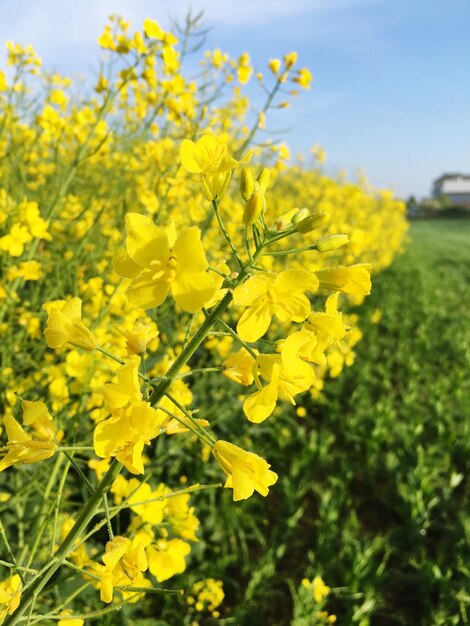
[191,290]
[147,293]
[295,280]
[251,289]
[294,307]
[254,322]
[189,251]
[125,266]
[261,404]
[145,241]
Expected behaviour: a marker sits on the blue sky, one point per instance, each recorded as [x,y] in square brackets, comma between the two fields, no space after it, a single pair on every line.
[391,90]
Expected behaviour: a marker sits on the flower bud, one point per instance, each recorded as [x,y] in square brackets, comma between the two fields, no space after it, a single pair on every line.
[253,209]
[311,222]
[284,220]
[331,242]
[263,179]
[247,184]
[300,215]
[290,59]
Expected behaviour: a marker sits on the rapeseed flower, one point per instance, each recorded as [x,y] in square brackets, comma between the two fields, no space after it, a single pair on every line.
[239,367]
[166,558]
[133,422]
[64,325]
[246,472]
[138,338]
[10,595]
[22,446]
[265,296]
[124,563]
[14,242]
[159,261]
[210,158]
[206,156]
[354,280]
[287,375]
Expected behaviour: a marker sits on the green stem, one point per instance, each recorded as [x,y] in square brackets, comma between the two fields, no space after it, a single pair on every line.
[38,528]
[225,233]
[110,355]
[40,581]
[291,251]
[159,389]
[203,433]
[233,334]
[200,370]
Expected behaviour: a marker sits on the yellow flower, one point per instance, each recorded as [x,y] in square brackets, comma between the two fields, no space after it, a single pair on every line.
[22,447]
[303,78]
[246,472]
[266,296]
[166,558]
[326,328]
[133,424]
[210,158]
[218,58]
[206,156]
[64,325]
[106,40]
[10,595]
[288,375]
[28,270]
[3,82]
[209,595]
[36,414]
[138,338]
[244,69]
[124,564]
[319,589]
[160,261]
[30,214]
[290,59]
[214,186]
[153,30]
[274,65]
[147,504]
[13,243]
[181,517]
[354,279]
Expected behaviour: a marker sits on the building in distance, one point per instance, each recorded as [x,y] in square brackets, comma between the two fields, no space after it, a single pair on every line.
[454,189]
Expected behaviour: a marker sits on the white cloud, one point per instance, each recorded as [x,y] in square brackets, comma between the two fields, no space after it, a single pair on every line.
[49,24]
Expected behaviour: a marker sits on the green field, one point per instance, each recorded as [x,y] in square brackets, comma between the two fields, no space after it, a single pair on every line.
[403,414]
[373,481]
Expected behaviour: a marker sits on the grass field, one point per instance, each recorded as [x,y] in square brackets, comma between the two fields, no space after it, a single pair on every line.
[375,501]
[403,411]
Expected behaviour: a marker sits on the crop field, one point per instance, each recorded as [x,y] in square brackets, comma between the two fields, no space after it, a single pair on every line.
[209,413]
